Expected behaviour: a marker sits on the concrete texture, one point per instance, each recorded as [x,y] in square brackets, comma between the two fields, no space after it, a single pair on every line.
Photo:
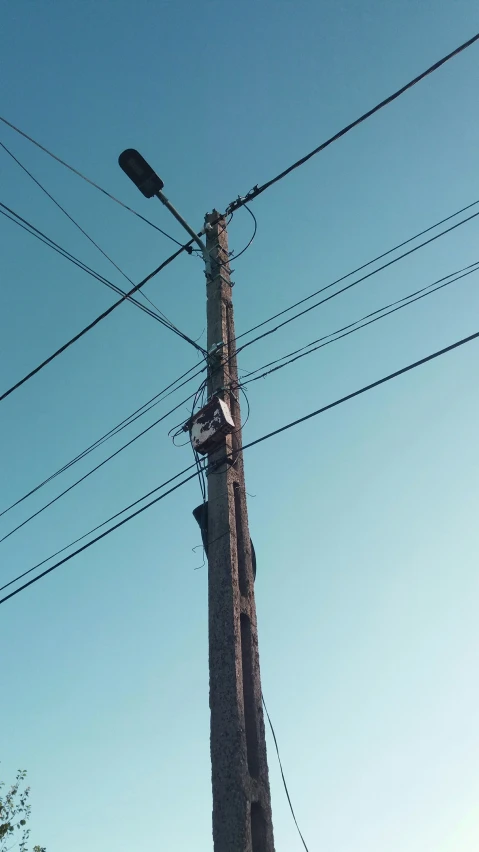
[242,820]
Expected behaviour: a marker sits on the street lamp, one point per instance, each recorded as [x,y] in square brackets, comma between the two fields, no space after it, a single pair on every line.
[150,184]
[140,172]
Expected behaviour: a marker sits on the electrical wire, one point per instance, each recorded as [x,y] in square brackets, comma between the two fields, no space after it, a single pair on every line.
[257,441]
[93,470]
[363,278]
[88,180]
[353,283]
[201,475]
[43,238]
[188,245]
[99,526]
[257,190]
[359,280]
[249,378]
[236,256]
[94,540]
[79,227]
[112,432]
[349,329]
[245,249]
[248,412]
[143,409]
[98,319]
[200,393]
[282,773]
[364,389]
[360,268]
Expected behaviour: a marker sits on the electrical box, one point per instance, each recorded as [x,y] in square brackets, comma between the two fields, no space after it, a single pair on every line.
[209,426]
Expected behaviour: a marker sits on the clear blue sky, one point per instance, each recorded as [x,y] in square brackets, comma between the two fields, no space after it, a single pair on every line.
[364,520]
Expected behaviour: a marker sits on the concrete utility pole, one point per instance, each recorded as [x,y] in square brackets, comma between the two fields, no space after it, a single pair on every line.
[242,820]
[241,797]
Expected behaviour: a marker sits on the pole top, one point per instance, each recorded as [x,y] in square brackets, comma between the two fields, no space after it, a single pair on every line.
[213,218]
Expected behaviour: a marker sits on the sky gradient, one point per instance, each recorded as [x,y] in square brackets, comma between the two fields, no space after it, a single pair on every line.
[364,520]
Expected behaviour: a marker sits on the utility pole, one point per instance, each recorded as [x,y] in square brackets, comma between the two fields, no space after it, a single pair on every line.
[242,820]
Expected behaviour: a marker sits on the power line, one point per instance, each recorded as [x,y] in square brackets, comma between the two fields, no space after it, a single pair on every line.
[247,446]
[78,226]
[88,180]
[57,204]
[98,319]
[98,537]
[188,246]
[353,283]
[127,421]
[282,773]
[130,420]
[349,329]
[250,376]
[362,390]
[360,268]
[94,469]
[46,240]
[364,266]
[99,526]
[257,190]
[250,241]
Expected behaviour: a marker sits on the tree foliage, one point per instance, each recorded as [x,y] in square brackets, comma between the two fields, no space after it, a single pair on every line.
[14,815]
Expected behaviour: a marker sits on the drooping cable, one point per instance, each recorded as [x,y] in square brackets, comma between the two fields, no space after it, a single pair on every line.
[250,241]
[233,256]
[282,773]
[257,190]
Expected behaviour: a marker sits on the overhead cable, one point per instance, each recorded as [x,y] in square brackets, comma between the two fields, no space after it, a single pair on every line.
[352,327]
[282,773]
[364,389]
[78,226]
[46,240]
[360,268]
[257,190]
[94,469]
[95,322]
[260,440]
[88,180]
[115,430]
[353,283]
[99,526]
[251,376]
[98,537]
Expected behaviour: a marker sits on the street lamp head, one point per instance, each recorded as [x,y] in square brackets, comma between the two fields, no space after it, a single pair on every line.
[142,175]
